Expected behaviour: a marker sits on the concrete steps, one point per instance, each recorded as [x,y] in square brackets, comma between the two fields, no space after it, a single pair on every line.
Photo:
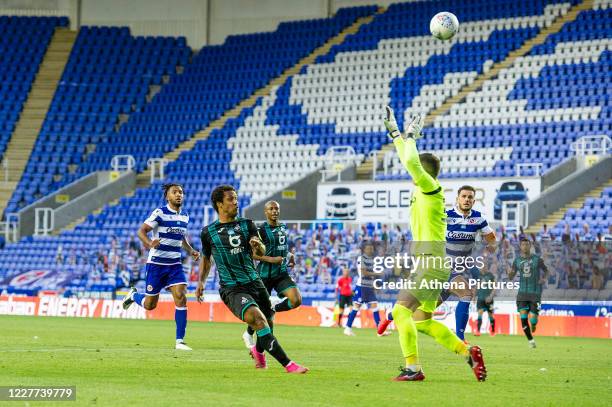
[35,109]
[556,217]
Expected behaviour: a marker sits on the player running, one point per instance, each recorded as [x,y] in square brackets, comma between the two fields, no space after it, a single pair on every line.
[345,293]
[230,240]
[365,293]
[533,273]
[273,266]
[413,310]
[463,224]
[164,267]
[484,301]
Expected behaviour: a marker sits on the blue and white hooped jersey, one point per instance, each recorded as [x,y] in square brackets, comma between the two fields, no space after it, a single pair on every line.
[368,264]
[461,231]
[170,228]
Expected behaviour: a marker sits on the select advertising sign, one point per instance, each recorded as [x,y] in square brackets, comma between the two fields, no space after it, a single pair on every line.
[389,201]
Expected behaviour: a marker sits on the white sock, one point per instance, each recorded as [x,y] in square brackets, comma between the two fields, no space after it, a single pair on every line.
[413,368]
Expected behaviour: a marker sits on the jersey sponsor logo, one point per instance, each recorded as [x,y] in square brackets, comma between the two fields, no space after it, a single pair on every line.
[459,235]
[526,269]
[178,231]
[234,240]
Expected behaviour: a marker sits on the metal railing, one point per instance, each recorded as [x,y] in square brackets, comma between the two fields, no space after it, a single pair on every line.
[123,163]
[592,145]
[525,166]
[44,221]
[336,160]
[10,228]
[157,166]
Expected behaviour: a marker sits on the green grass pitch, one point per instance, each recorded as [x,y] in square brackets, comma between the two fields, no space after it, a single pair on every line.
[133,363]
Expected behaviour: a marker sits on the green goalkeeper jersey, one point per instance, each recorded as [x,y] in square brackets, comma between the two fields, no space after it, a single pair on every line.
[427,214]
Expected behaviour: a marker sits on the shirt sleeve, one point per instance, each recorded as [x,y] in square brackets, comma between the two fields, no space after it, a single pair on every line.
[409,157]
[154,219]
[206,246]
[485,229]
[262,234]
[253,232]
[541,265]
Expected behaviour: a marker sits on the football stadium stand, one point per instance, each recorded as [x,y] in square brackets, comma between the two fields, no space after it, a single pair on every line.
[25,41]
[544,54]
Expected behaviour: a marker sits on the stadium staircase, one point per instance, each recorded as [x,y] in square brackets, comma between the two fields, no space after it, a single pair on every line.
[557,216]
[35,109]
[144,178]
[364,171]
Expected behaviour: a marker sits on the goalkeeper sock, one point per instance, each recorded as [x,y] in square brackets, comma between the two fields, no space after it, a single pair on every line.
[180,317]
[407,336]
[479,322]
[284,305]
[376,316]
[266,341]
[462,315]
[526,329]
[139,299]
[351,318]
[443,335]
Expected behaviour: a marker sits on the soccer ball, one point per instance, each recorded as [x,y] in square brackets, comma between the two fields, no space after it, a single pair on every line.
[444,25]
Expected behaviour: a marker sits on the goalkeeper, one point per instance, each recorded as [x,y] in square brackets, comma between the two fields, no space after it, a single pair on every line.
[413,310]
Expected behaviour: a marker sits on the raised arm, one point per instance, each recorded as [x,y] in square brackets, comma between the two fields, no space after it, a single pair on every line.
[405,145]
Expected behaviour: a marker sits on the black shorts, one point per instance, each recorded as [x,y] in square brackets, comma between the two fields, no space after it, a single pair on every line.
[528,302]
[240,297]
[482,305]
[280,283]
[345,301]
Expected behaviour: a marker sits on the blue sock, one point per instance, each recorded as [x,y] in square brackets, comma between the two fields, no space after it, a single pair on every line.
[138,298]
[351,318]
[390,316]
[180,317]
[376,315]
[462,315]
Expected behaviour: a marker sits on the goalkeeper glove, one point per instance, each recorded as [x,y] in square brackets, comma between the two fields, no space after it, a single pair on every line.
[415,126]
[391,124]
